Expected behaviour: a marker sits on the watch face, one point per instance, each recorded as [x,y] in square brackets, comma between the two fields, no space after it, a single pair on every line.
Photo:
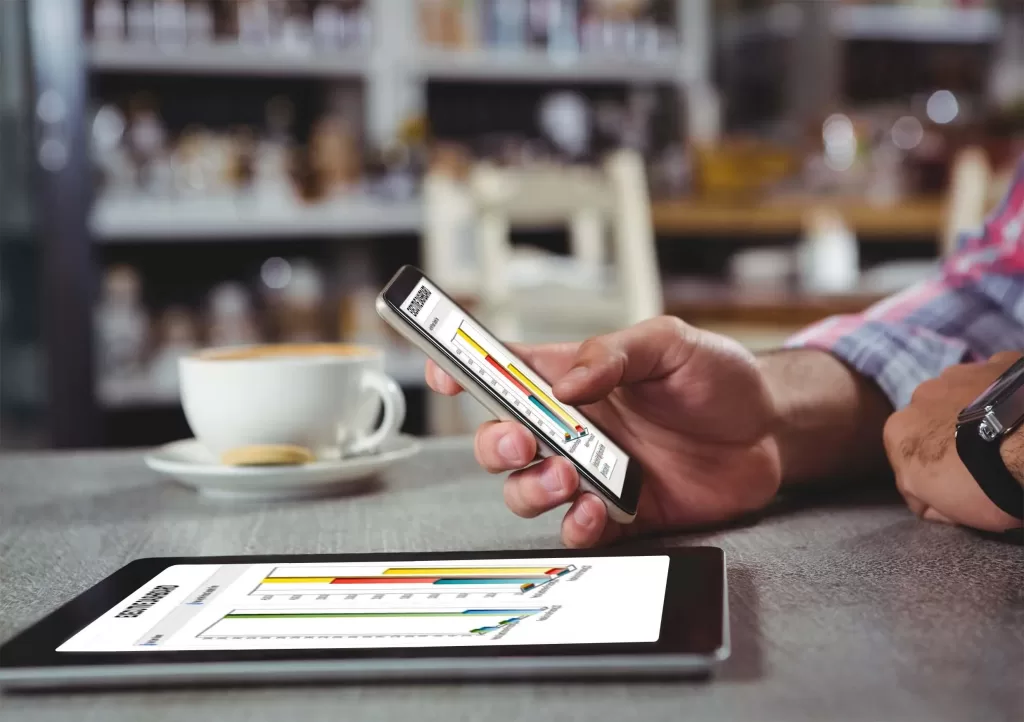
[1011,379]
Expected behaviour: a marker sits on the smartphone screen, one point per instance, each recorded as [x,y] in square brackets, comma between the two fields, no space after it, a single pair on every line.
[518,386]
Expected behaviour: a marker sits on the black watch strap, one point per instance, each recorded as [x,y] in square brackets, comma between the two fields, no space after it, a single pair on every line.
[983,460]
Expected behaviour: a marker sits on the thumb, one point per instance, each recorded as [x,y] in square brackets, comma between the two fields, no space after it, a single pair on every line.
[649,350]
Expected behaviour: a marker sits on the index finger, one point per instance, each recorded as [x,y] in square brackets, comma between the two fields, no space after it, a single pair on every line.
[440,381]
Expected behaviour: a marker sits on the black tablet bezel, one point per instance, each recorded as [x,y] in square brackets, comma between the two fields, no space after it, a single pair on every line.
[398,289]
[692,619]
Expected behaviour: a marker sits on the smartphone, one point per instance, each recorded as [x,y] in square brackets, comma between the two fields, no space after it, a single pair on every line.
[422,313]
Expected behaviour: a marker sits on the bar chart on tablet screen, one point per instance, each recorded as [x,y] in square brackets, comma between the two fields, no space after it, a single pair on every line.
[515,386]
[352,583]
[366,623]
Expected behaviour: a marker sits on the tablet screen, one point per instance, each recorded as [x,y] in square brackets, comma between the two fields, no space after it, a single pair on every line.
[451,603]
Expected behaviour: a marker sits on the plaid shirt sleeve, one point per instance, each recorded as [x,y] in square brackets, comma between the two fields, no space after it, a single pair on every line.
[972,309]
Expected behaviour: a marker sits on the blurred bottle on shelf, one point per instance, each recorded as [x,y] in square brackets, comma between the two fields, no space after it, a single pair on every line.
[827,257]
[393,172]
[242,158]
[328,26]
[205,164]
[192,171]
[563,27]
[334,156]
[232,319]
[170,23]
[273,184]
[653,39]
[178,337]
[292,29]
[762,270]
[109,154]
[616,26]
[141,27]
[591,36]
[121,327]
[553,25]
[273,170]
[356,30]
[886,180]
[252,22]
[505,24]
[147,143]
[539,20]
[357,319]
[566,121]
[108,21]
[295,301]
[199,22]
[442,23]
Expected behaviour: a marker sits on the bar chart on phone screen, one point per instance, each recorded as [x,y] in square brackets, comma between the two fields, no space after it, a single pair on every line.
[515,386]
[420,583]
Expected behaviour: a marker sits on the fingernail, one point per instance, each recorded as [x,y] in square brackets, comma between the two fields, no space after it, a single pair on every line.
[509,451]
[582,516]
[575,376]
[551,481]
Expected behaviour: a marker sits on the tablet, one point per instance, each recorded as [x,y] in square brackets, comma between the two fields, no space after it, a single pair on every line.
[383,616]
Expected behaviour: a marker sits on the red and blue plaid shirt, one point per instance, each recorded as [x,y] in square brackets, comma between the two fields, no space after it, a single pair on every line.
[973,309]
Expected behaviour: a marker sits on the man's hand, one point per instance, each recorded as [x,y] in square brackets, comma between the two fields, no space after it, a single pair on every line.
[921,444]
[690,407]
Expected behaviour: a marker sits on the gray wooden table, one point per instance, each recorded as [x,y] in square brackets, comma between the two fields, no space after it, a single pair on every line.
[849,611]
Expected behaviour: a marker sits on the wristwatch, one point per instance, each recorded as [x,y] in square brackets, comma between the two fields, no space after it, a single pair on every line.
[980,430]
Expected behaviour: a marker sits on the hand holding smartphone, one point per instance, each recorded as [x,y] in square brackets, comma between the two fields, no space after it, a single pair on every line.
[422,313]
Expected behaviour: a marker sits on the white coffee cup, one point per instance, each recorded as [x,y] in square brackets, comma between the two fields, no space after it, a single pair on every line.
[324,397]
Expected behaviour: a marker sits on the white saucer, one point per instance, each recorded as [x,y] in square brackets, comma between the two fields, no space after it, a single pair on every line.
[189,462]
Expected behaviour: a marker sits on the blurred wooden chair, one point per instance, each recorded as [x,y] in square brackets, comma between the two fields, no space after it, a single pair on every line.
[609,279]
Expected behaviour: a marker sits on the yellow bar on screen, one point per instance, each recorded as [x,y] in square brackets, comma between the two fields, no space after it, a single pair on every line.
[468,339]
[299,580]
[552,404]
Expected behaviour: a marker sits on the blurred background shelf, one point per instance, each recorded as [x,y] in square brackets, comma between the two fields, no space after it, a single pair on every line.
[243,219]
[132,219]
[541,66]
[224,58]
[781,308]
[891,22]
[916,24]
[763,319]
[919,219]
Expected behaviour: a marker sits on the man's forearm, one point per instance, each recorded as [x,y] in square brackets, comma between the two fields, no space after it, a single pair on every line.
[1012,451]
[829,418]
